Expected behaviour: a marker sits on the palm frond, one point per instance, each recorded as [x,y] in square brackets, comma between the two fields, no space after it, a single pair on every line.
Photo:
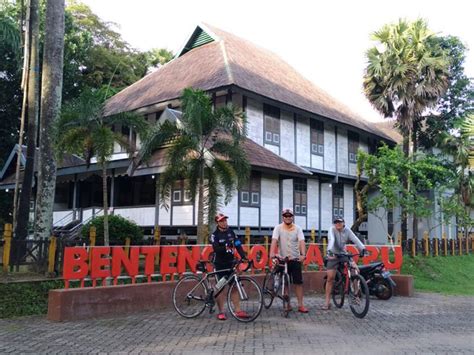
[226,175]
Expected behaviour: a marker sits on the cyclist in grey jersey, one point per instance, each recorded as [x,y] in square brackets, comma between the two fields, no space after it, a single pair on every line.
[338,236]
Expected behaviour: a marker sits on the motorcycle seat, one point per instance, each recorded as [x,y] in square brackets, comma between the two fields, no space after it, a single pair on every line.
[370,267]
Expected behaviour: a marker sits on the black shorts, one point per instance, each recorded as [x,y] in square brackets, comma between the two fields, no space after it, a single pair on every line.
[295,271]
[223,266]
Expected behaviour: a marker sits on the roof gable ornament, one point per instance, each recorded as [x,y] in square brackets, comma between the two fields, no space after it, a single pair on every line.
[202,35]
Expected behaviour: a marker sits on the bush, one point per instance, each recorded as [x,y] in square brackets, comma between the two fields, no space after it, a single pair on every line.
[119,229]
[26,298]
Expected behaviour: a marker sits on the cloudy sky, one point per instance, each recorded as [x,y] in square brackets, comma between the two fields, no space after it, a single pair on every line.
[324,40]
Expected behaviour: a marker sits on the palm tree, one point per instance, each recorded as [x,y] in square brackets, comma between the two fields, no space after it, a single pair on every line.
[406,73]
[204,149]
[86,132]
[52,83]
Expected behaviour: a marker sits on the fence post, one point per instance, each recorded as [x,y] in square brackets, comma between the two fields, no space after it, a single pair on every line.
[324,247]
[460,243]
[247,236]
[313,236]
[7,236]
[52,254]
[467,245]
[399,238]
[453,246]
[157,238]
[413,247]
[127,246]
[436,246]
[445,244]
[427,246]
[92,238]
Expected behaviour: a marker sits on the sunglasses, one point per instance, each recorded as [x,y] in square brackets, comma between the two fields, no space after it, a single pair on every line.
[287,215]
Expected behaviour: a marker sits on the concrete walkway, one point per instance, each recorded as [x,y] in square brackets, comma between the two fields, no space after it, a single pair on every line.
[426,323]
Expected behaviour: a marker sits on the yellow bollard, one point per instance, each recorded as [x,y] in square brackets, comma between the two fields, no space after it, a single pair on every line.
[324,247]
[7,236]
[436,246]
[127,246]
[313,236]
[399,238]
[427,245]
[52,254]
[157,238]
[413,247]
[247,236]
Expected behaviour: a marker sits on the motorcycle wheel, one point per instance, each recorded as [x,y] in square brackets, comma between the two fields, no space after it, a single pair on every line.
[383,288]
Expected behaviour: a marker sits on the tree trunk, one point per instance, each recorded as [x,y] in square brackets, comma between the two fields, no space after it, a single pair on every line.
[106,205]
[24,87]
[406,151]
[359,194]
[415,218]
[201,229]
[32,103]
[51,94]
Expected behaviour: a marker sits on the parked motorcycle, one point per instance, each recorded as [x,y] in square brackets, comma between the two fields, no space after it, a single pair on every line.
[378,279]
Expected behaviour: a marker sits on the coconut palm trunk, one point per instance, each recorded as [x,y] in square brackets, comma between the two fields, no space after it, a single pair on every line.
[51,94]
[201,230]
[105,204]
[33,106]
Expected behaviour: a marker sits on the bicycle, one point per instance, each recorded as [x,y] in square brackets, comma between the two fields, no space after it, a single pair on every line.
[193,293]
[277,284]
[349,282]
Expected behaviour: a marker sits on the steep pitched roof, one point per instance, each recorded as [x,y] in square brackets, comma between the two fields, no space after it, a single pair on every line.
[221,59]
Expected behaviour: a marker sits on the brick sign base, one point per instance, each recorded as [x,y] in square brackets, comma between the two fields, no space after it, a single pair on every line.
[83,303]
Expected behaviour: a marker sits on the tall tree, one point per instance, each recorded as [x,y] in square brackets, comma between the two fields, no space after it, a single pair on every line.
[51,94]
[204,149]
[21,230]
[83,130]
[455,104]
[407,72]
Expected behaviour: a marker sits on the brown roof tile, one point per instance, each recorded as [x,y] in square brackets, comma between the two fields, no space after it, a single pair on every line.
[231,60]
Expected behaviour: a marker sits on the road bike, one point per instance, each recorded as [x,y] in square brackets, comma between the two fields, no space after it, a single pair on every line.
[194,292]
[277,284]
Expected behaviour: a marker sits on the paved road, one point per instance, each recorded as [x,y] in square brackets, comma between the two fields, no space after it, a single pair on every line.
[426,323]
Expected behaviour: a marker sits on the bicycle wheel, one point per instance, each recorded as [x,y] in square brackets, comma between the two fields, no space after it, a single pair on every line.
[286,294]
[359,296]
[338,290]
[189,296]
[267,289]
[245,301]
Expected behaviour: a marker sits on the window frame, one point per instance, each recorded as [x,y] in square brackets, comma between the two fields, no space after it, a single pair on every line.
[183,191]
[353,143]
[317,137]
[271,125]
[300,188]
[337,201]
[252,188]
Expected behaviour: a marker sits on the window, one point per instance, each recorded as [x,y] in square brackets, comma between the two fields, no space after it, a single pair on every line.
[181,194]
[317,137]
[300,196]
[353,146]
[220,101]
[271,116]
[338,201]
[250,193]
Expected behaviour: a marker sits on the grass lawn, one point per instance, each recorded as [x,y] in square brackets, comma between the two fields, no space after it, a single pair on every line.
[450,275]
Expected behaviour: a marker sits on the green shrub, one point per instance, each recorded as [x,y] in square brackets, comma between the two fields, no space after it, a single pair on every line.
[26,298]
[119,229]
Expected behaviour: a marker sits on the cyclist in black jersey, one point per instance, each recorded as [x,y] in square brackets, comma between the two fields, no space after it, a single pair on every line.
[223,242]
